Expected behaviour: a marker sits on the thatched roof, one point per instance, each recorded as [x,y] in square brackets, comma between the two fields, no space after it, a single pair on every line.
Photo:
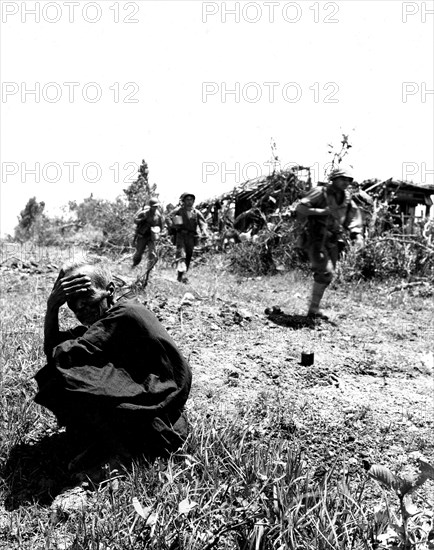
[282,187]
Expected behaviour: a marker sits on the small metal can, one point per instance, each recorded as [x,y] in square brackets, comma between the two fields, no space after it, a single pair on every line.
[307,358]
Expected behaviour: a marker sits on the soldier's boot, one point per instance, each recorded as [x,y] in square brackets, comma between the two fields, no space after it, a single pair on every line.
[317,294]
[182,268]
[137,258]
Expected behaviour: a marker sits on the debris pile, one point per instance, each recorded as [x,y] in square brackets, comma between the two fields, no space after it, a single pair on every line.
[13,263]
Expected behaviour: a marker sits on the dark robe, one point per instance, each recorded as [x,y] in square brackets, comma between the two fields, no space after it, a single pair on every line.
[124,371]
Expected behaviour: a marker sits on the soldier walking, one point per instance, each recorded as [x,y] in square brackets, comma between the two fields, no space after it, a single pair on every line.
[150,224]
[186,222]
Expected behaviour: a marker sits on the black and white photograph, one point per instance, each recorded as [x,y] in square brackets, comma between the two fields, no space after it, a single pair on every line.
[217,275]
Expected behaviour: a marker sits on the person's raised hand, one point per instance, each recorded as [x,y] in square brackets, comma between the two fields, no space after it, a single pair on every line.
[66,287]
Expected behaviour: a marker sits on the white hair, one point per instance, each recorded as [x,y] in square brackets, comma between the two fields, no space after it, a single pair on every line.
[99,273]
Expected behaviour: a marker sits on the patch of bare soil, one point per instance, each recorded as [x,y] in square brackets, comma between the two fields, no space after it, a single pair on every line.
[369,394]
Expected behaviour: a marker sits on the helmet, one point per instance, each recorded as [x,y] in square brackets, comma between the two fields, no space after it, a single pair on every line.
[154,202]
[341,172]
[185,195]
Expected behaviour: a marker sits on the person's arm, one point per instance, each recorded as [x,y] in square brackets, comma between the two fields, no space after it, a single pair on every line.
[170,220]
[313,204]
[64,288]
[307,211]
[139,217]
[175,212]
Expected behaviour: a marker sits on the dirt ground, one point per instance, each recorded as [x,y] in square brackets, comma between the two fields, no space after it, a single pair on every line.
[369,393]
[369,396]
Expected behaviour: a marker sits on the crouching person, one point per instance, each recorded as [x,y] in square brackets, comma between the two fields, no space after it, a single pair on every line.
[117,381]
[329,214]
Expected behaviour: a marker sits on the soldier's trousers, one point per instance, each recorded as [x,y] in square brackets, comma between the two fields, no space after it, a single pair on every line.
[323,258]
[184,247]
[141,244]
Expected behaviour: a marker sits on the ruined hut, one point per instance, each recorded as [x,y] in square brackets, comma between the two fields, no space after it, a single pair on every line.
[410,200]
[248,206]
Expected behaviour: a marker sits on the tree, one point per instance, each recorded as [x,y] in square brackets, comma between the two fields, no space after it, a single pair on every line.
[92,220]
[140,191]
[111,219]
[29,220]
[114,219]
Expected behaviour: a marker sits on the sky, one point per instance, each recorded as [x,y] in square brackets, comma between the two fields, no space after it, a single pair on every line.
[200,89]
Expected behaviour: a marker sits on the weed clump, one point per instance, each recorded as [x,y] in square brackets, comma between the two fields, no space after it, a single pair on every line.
[385,255]
[271,251]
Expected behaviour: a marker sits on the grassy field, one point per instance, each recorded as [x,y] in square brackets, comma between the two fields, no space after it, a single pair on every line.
[278,453]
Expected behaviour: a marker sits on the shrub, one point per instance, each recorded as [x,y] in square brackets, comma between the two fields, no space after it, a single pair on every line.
[389,256]
[392,254]
[93,221]
[272,250]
